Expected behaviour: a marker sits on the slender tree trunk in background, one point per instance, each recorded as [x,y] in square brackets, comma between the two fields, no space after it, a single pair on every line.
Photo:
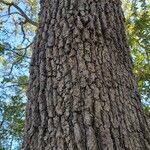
[82,93]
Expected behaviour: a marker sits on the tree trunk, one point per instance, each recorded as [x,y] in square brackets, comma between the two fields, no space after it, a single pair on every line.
[82,93]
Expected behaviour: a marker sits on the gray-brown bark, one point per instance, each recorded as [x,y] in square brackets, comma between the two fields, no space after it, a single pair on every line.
[82,94]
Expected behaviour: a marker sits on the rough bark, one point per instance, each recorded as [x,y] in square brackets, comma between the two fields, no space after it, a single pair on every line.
[82,93]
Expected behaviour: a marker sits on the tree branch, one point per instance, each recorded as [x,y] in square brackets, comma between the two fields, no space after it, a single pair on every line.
[22,13]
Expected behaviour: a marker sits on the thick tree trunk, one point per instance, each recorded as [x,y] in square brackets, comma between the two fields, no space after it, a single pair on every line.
[82,93]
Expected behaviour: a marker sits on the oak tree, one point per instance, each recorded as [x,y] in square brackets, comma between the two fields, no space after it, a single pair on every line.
[82,93]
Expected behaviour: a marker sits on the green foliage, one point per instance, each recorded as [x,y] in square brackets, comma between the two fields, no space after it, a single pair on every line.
[13,113]
[2,48]
[138,25]
[15,56]
[147,111]
[12,123]
[22,82]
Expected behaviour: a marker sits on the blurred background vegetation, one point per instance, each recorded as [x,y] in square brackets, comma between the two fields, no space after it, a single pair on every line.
[18,23]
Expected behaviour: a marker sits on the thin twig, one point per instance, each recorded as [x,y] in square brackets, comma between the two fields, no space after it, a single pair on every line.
[21,12]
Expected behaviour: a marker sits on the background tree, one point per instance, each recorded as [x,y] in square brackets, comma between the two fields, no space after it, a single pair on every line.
[138,25]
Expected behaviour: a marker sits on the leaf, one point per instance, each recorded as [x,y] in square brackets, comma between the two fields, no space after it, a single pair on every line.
[23,82]
[2,59]
[2,48]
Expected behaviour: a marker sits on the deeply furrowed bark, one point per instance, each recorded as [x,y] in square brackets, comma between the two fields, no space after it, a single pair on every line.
[82,93]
